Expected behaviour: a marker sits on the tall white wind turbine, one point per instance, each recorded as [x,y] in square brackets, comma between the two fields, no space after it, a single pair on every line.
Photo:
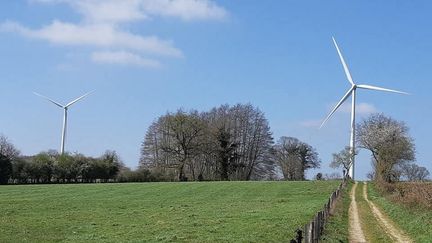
[352,92]
[65,109]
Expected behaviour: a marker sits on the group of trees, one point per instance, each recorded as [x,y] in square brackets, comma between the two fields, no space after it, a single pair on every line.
[51,167]
[391,147]
[413,172]
[225,143]
[48,167]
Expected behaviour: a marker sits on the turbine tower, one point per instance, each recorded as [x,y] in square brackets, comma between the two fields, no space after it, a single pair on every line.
[65,109]
[352,92]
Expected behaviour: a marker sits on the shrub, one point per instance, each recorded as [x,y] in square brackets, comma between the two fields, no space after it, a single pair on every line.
[412,194]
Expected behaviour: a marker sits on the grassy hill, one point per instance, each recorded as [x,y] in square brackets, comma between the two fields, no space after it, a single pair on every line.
[164,212]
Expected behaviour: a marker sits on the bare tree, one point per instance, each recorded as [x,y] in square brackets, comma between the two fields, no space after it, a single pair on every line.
[250,134]
[184,131]
[7,149]
[295,157]
[8,154]
[413,172]
[389,143]
[342,159]
[255,138]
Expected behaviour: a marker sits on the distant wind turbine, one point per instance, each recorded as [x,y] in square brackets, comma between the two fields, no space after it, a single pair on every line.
[65,109]
[352,92]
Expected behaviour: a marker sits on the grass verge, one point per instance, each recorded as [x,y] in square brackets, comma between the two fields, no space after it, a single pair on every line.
[417,222]
[336,229]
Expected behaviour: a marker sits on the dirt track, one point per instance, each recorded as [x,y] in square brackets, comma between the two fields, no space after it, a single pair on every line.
[355,230]
[395,234]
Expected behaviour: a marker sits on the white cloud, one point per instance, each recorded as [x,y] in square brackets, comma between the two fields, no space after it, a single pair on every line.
[185,9]
[103,25]
[132,10]
[112,11]
[124,58]
[100,35]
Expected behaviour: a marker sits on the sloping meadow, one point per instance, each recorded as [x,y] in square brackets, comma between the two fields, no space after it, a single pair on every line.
[180,212]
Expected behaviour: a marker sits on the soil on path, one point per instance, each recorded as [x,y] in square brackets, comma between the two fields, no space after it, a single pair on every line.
[355,230]
[396,234]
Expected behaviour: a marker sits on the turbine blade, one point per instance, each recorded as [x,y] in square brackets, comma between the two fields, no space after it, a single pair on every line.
[347,72]
[55,103]
[77,99]
[337,106]
[365,86]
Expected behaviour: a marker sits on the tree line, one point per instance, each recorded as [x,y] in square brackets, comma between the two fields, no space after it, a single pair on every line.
[51,167]
[224,143]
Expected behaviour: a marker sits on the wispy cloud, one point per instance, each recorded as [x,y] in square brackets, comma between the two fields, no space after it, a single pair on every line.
[311,123]
[124,58]
[133,10]
[97,35]
[185,9]
[103,27]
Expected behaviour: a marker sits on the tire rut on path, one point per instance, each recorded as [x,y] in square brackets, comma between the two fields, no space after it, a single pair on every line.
[396,234]
[355,230]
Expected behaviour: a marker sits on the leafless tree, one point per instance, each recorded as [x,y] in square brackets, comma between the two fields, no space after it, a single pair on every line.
[174,142]
[413,172]
[250,128]
[389,143]
[7,149]
[295,157]
[342,159]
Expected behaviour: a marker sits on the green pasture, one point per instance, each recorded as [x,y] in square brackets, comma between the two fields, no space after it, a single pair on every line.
[159,212]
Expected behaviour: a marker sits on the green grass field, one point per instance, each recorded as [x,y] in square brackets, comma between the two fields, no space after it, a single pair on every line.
[159,212]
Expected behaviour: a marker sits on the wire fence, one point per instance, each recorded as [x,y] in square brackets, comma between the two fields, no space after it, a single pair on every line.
[313,230]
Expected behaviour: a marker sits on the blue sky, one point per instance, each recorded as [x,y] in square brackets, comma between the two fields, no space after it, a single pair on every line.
[146,57]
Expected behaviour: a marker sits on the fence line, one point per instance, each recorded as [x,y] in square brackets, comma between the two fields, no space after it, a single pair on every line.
[312,231]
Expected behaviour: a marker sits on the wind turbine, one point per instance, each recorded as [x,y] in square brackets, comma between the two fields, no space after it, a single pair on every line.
[352,92]
[65,109]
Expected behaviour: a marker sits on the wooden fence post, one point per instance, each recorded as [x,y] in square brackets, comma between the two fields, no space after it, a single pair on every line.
[314,229]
